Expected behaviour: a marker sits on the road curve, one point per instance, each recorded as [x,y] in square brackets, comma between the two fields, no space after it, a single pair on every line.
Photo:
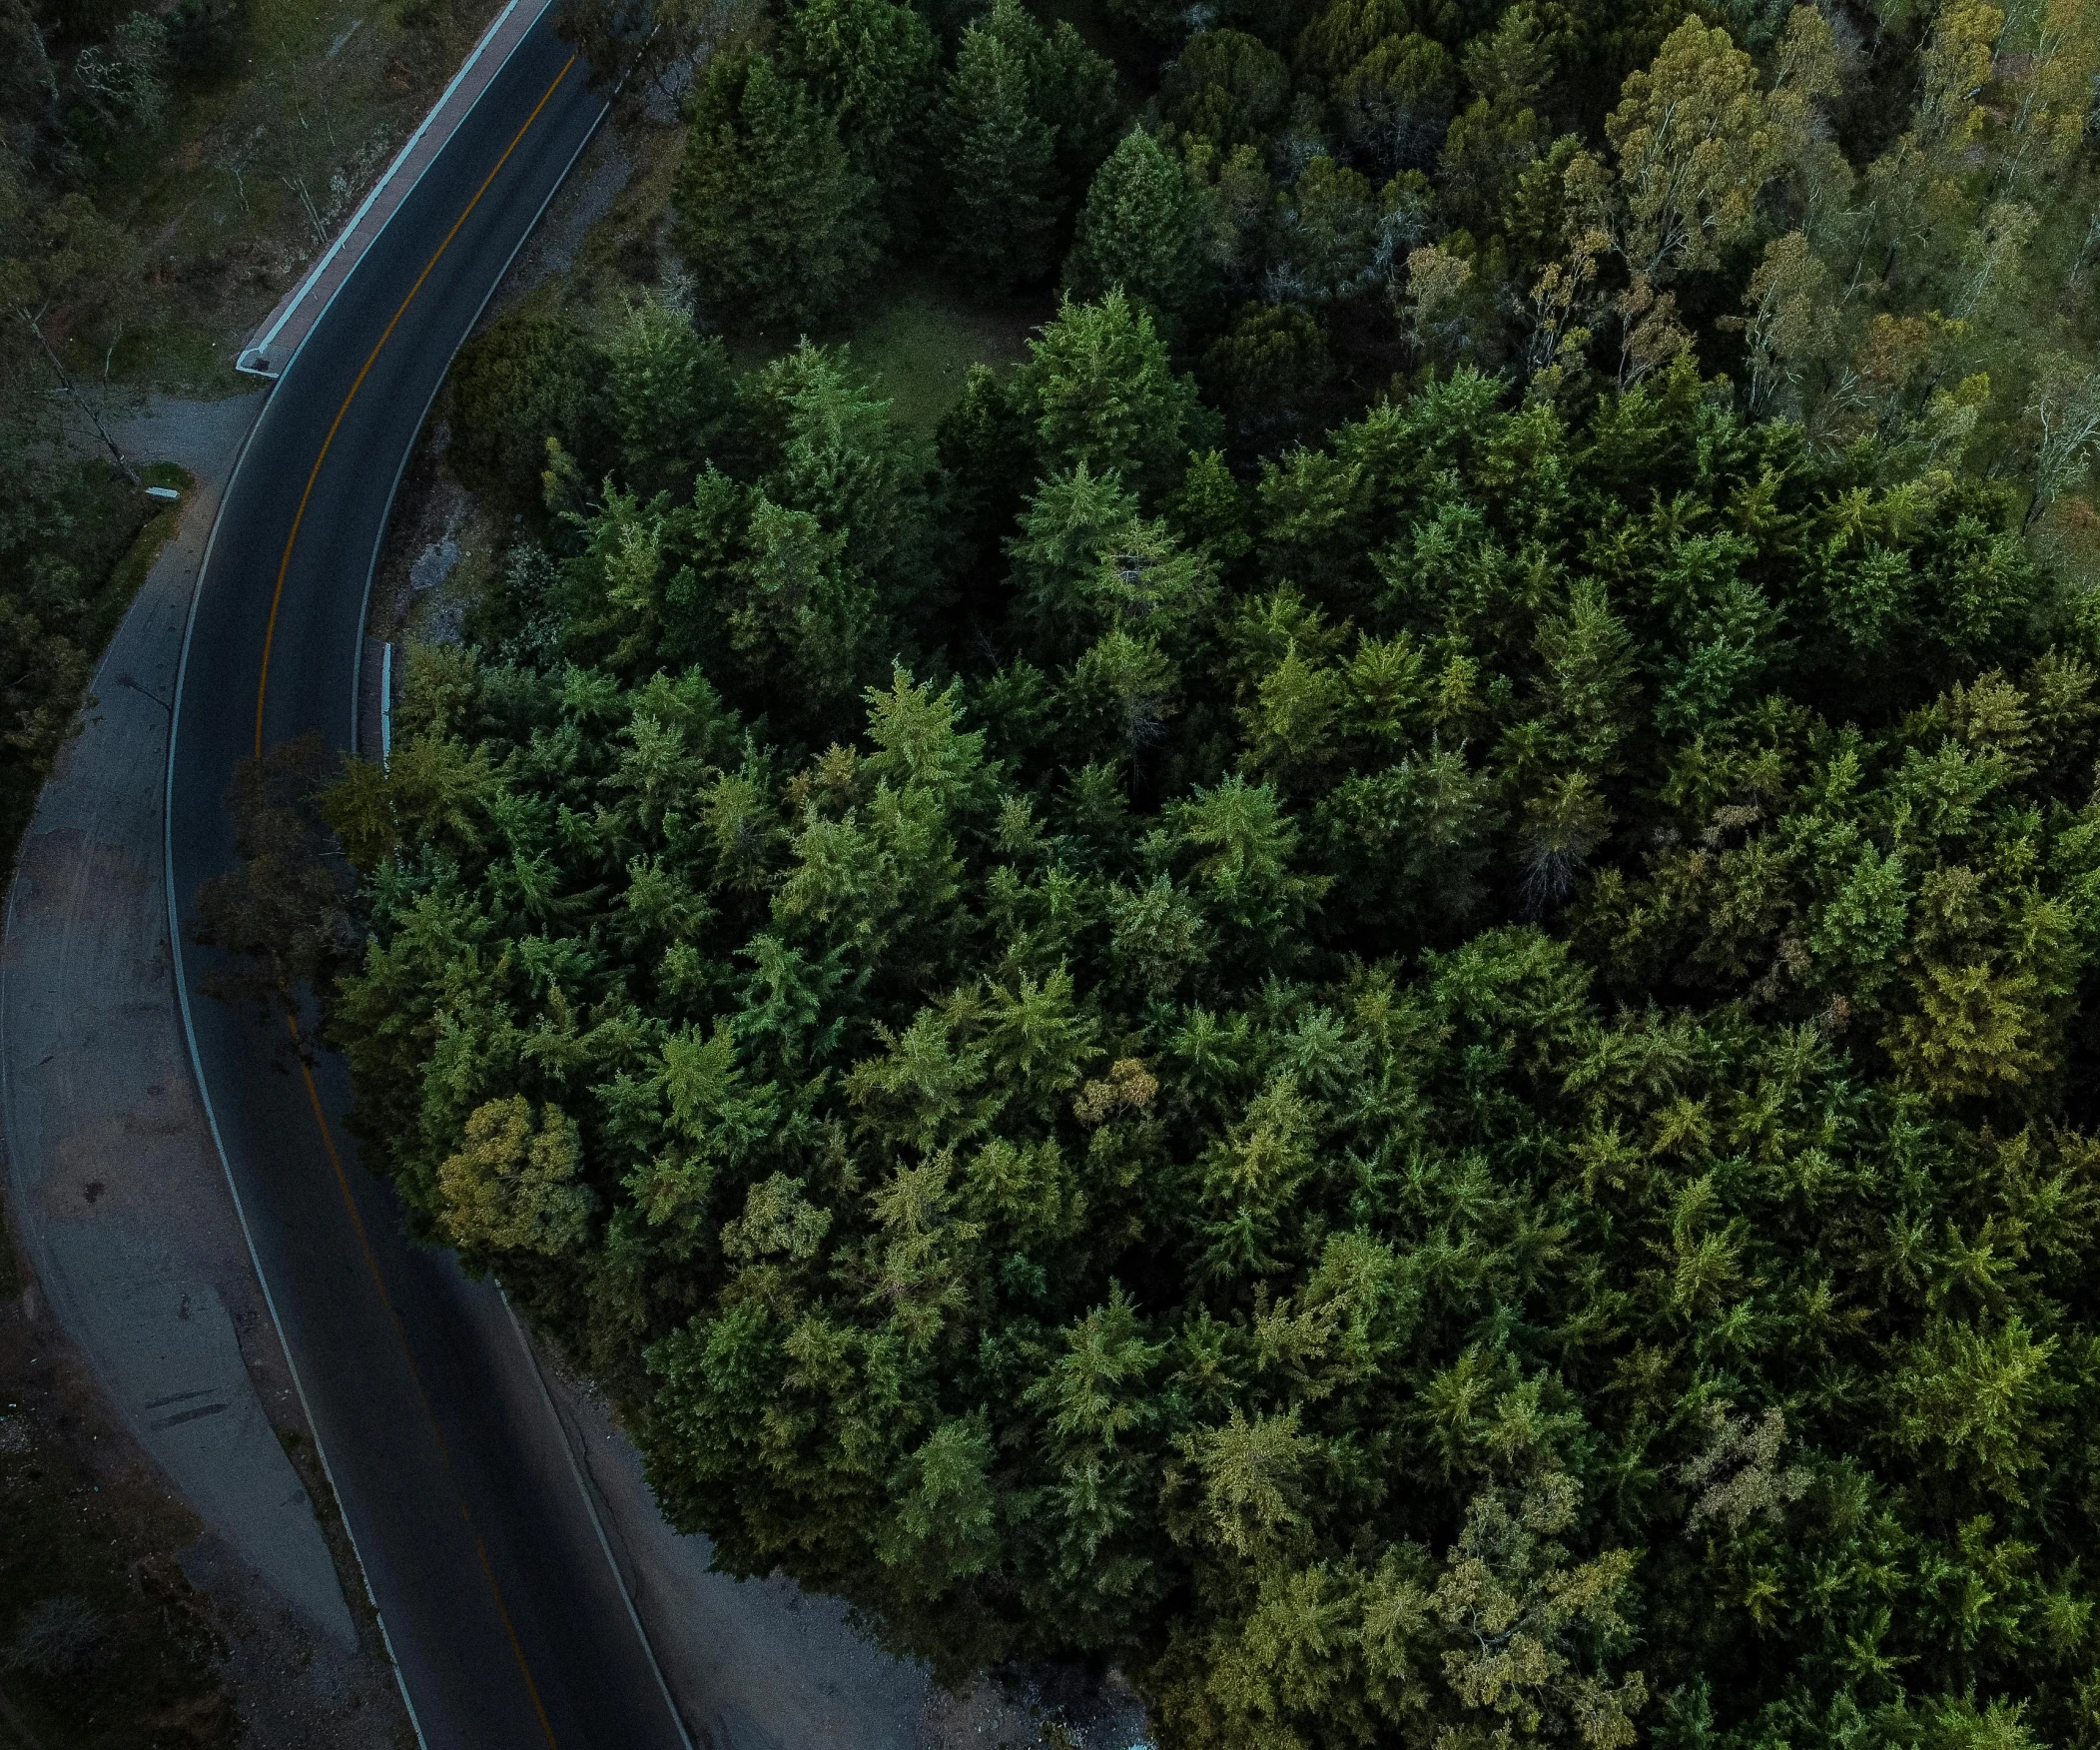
[505,1619]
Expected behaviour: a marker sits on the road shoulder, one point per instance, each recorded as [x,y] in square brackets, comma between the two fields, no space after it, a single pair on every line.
[119,1202]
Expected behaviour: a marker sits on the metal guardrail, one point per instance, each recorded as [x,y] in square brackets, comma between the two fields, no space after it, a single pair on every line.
[270,349]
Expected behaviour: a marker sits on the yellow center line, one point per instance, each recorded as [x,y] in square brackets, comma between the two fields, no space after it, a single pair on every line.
[401,1335]
[299,515]
[371,1263]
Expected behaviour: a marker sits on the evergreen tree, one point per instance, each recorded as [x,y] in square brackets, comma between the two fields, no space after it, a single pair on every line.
[1262,370]
[523,380]
[1074,91]
[1229,88]
[1099,387]
[773,218]
[1140,229]
[1000,155]
[874,65]
[670,395]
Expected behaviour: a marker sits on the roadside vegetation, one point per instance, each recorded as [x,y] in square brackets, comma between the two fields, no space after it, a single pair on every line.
[1369,983]
[104,1644]
[166,171]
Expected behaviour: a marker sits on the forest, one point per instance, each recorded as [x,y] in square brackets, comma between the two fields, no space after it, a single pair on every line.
[1377,997]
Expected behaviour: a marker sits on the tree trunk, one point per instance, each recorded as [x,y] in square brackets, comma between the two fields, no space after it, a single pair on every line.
[66,384]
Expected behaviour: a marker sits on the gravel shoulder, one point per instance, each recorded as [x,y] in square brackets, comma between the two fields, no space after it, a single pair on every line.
[115,1194]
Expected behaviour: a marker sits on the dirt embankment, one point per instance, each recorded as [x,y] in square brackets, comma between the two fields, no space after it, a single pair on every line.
[124,1624]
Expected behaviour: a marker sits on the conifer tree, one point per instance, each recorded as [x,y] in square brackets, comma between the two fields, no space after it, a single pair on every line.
[1140,229]
[670,392]
[999,156]
[773,220]
[874,65]
[1073,90]
[1099,387]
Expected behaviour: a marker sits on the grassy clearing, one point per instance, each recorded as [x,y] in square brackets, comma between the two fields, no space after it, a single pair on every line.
[914,338]
[921,336]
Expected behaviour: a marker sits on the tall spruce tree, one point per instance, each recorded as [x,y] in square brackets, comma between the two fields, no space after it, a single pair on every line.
[1071,87]
[1000,220]
[1141,229]
[874,64]
[1099,387]
[773,218]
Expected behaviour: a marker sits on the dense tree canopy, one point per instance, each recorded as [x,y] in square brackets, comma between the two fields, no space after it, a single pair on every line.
[1381,999]
[1482,1030]
[1877,221]
[773,214]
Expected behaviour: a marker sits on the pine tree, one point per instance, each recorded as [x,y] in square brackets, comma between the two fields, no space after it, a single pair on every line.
[1227,87]
[1098,387]
[1140,229]
[670,395]
[774,220]
[999,156]
[1074,91]
[874,65]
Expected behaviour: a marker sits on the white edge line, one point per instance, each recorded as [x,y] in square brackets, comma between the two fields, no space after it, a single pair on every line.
[590,1508]
[203,1092]
[561,1431]
[372,569]
[262,343]
[174,940]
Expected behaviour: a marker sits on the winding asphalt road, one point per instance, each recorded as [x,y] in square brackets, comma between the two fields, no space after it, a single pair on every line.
[506,1621]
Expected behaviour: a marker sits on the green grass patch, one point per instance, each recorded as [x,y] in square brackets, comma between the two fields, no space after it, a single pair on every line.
[919,341]
[914,338]
[183,355]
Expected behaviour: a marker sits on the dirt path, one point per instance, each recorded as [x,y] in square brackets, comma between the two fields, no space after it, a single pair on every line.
[116,1193]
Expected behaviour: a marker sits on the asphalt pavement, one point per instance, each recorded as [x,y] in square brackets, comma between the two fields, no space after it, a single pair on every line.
[504,1617]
